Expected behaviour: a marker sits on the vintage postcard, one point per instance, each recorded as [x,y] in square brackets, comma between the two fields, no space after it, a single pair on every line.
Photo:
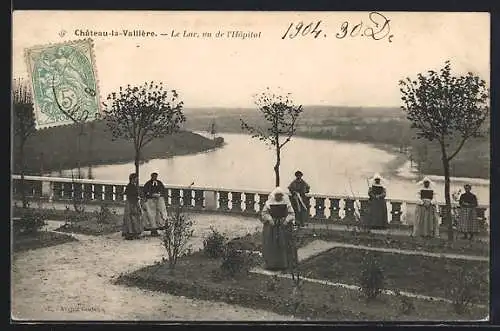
[250,166]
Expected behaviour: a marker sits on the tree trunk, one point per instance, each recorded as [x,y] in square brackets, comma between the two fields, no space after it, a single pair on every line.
[447,212]
[277,166]
[21,170]
[136,162]
[78,148]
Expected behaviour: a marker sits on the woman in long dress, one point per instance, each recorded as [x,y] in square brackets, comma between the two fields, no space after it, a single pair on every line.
[426,218]
[298,189]
[132,221]
[278,245]
[377,206]
[468,223]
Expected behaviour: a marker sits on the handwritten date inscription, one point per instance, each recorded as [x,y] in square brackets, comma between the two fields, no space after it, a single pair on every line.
[377,27]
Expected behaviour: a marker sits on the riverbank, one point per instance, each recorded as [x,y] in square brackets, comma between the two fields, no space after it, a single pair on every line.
[67,147]
[473,161]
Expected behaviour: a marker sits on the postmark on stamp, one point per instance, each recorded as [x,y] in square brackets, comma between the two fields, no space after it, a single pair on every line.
[64,83]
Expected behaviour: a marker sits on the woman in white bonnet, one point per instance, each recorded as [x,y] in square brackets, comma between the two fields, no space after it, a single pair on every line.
[426,218]
[376,217]
[278,247]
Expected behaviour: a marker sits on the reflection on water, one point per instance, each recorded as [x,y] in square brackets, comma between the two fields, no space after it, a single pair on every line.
[330,167]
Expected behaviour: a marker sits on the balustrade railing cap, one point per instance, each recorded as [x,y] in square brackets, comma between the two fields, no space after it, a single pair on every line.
[211,189]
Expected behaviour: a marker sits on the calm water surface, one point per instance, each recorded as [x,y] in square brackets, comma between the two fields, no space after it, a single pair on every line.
[330,167]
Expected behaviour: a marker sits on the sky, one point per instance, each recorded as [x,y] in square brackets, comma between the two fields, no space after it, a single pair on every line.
[228,72]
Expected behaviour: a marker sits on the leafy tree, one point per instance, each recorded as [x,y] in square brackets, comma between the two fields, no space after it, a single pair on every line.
[448,109]
[281,114]
[23,125]
[143,113]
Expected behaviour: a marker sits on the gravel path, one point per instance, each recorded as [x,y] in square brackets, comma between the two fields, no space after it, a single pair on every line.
[73,281]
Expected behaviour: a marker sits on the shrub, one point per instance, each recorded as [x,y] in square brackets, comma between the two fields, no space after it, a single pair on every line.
[272,284]
[215,244]
[465,290]
[371,277]
[406,304]
[105,215]
[236,263]
[31,221]
[178,232]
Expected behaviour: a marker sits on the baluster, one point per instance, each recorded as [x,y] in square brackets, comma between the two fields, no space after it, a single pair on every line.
[176,196]
[67,190]
[396,212]
[37,189]
[98,188]
[223,200]
[319,206]
[334,209]
[78,191]
[120,193]
[236,201]
[87,192]
[58,190]
[108,192]
[262,201]
[250,203]
[363,210]
[28,188]
[198,199]
[187,198]
[349,209]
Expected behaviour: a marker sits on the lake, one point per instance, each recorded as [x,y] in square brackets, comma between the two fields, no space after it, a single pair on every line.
[330,167]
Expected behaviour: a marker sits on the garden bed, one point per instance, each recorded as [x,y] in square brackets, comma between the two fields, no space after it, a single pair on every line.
[412,273]
[90,228]
[39,239]
[436,245]
[193,278]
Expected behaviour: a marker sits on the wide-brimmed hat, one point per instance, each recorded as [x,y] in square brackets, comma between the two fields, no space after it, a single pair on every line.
[375,177]
[426,179]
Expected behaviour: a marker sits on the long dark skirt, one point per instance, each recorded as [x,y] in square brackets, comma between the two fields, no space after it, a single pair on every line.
[132,221]
[467,220]
[278,247]
[376,217]
[301,214]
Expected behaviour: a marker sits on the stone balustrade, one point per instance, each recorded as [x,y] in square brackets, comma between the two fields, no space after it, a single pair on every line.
[324,209]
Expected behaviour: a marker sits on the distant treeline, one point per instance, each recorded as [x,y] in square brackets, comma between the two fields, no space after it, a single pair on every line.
[368,125]
[56,148]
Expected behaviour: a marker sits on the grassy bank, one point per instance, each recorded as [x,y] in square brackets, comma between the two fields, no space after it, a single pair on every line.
[57,148]
[39,239]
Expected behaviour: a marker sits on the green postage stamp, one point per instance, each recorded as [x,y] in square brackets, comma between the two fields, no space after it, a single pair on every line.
[64,83]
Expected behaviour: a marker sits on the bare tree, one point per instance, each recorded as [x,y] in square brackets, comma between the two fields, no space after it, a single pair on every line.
[143,113]
[281,114]
[448,109]
[23,125]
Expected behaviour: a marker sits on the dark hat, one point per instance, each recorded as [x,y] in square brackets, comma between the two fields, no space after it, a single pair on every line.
[154,174]
[298,173]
